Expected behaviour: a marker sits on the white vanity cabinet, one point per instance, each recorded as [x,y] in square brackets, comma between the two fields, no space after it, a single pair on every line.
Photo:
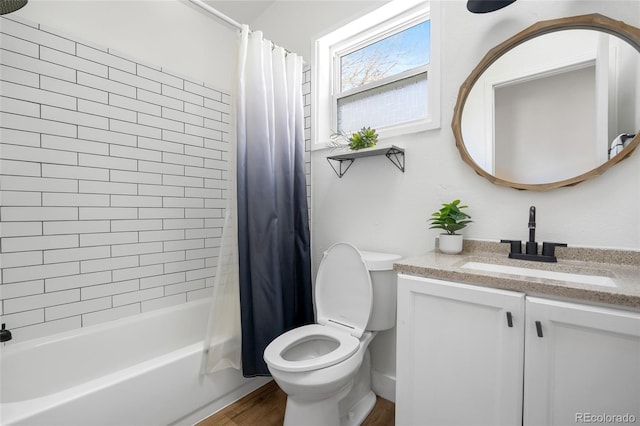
[582,362]
[465,353]
[459,354]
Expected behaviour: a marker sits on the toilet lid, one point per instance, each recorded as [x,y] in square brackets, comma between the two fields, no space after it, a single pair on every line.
[274,354]
[343,290]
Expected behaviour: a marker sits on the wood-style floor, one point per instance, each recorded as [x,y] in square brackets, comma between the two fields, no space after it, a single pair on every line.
[265,407]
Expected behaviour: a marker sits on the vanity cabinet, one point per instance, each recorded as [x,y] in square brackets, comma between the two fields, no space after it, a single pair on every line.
[472,355]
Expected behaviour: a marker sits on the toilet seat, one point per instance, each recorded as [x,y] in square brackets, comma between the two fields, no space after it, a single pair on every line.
[347,346]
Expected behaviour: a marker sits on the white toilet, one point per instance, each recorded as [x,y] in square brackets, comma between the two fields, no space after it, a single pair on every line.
[324,368]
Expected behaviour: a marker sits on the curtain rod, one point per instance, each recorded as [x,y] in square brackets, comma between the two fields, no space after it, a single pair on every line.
[217,13]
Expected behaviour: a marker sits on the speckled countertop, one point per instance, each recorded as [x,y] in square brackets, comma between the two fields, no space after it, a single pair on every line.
[620,265]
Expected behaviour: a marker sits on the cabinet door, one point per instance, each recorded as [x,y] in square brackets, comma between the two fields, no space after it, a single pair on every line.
[459,356]
[584,367]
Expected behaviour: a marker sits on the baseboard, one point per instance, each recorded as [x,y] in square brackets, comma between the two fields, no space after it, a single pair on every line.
[383,385]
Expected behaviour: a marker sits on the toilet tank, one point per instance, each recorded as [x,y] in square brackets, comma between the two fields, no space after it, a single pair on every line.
[385,286]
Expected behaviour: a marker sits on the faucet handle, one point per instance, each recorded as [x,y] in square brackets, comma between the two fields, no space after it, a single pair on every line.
[549,249]
[516,245]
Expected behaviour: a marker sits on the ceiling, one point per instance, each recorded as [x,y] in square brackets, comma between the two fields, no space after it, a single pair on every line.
[242,11]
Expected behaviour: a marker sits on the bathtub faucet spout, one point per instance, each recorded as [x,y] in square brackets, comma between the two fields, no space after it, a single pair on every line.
[5,335]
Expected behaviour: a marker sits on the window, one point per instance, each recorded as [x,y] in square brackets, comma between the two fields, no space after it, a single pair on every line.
[379,71]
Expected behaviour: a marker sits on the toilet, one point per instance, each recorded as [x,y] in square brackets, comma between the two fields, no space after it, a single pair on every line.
[325,368]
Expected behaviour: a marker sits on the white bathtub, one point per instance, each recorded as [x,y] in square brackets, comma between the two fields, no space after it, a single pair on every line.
[142,370]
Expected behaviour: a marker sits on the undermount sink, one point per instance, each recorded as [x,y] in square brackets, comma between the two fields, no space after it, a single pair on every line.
[541,273]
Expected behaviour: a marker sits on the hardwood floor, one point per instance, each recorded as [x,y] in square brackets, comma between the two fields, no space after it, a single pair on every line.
[265,407]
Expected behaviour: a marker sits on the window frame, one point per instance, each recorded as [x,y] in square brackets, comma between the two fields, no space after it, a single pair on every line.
[383,22]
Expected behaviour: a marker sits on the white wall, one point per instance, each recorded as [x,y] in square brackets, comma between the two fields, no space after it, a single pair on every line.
[169,33]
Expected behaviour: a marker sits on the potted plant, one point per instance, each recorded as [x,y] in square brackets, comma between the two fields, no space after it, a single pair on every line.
[364,138]
[450,218]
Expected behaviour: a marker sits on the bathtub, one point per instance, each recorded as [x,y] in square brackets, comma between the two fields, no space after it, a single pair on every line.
[142,370]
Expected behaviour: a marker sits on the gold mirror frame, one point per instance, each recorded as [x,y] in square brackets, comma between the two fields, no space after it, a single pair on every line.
[591,22]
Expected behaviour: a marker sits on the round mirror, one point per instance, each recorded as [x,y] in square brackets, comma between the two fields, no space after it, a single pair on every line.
[554,105]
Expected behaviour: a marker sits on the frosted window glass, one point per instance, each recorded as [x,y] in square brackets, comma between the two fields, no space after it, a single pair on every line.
[395,103]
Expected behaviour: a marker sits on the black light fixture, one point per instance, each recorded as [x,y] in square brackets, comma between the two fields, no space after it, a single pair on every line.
[485,6]
[8,6]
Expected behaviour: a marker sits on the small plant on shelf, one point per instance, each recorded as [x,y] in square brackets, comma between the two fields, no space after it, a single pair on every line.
[450,218]
[364,138]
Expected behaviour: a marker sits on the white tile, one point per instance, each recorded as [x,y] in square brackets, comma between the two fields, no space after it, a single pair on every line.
[159,99]
[72,61]
[135,177]
[159,76]
[105,58]
[135,201]
[30,273]
[204,192]
[18,214]
[76,281]
[27,288]
[182,202]
[159,145]
[162,123]
[187,265]
[19,137]
[183,117]
[87,266]
[17,106]
[25,258]
[199,294]
[134,80]
[71,309]
[42,155]
[105,110]
[138,272]
[182,223]
[35,35]
[75,145]
[30,124]
[74,172]
[173,92]
[184,287]
[201,273]
[160,213]
[137,296]
[46,328]
[112,314]
[161,190]
[163,302]
[84,253]
[146,236]
[18,45]
[98,187]
[173,180]
[162,280]
[20,229]
[184,244]
[134,104]
[155,167]
[106,85]
[15,198]
[34,65]
[18,76]
[115,163]
[171,136]
[96,213]
[137,153]
[199,254]
[107,136]
[14,244]
[72,89]
[171,158]
[75,227]
[108,238]
[136,225]
[63,199]
[23,319]
[215,164]
[74,117]
[138,248]
[159,258]
[110,289]
[203,152]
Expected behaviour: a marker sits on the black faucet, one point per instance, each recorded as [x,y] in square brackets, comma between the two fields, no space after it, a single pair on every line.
[531,246]
[5,335]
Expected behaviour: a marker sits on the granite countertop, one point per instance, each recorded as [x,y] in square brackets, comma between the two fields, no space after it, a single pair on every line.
[620,265]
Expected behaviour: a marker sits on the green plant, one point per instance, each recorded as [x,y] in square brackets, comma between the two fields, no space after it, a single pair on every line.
[364,138]
[450,218]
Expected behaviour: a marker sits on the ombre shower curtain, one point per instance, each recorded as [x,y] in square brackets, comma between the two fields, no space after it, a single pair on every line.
[272,224]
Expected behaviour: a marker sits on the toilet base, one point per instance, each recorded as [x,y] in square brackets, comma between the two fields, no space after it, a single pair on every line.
[359,412]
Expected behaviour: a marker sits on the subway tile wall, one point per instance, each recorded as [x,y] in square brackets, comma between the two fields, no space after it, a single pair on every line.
[112,183]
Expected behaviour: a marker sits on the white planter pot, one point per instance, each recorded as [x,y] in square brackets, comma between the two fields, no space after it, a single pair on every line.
[450,244]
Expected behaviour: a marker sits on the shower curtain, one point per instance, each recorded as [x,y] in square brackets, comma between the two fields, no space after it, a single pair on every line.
[273,275]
